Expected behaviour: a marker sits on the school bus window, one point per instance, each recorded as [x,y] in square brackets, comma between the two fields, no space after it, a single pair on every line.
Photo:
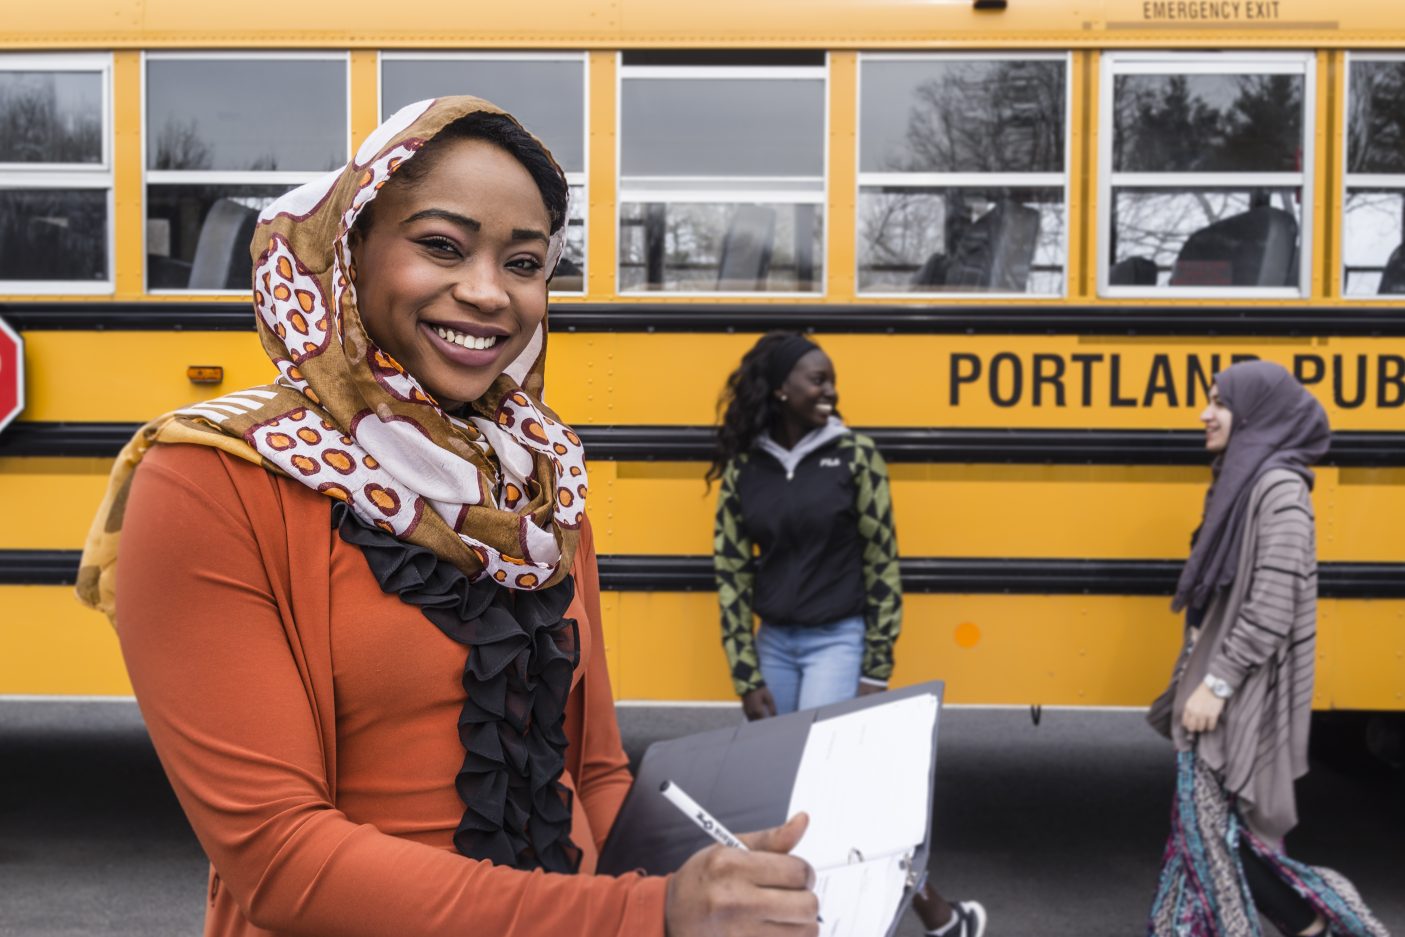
[721,178]
[1373,211]
[55,174]
[545,91]
[962,174]
[216,155]
[1205,172]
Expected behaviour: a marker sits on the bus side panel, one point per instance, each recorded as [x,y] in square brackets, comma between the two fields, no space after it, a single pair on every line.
[991,649]
[1361,655]
[52,646]
[614,378]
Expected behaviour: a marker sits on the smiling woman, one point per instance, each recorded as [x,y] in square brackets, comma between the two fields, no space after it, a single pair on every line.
[1218,420]
[804,540]
[1240,697]
[385,545]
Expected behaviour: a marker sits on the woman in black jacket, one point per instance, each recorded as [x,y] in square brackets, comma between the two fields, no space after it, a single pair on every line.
[804,539]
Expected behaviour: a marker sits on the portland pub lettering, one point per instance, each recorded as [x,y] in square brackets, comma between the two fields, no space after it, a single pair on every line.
[1110,379]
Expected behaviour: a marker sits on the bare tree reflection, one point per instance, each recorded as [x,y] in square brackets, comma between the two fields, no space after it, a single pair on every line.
[35,129]
[1376,119]
[986,116]
[179,146]
[1182,123]
[898,228]
[1373,226]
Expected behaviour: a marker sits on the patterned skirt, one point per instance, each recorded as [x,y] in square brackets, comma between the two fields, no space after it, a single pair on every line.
[1203,891]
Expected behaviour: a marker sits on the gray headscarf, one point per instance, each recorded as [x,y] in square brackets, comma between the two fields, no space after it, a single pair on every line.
[1276,424]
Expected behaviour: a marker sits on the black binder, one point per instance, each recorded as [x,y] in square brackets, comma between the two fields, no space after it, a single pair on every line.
[743,776]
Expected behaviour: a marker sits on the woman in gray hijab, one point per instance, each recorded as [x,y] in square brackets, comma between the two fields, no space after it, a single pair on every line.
[1240,697]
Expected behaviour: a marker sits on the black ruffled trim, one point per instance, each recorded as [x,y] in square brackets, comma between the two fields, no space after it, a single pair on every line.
[522,653]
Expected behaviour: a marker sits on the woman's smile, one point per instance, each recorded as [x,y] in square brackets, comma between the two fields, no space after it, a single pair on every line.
[464,345]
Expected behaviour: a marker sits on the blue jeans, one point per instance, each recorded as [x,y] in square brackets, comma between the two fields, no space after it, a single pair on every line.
[811,666]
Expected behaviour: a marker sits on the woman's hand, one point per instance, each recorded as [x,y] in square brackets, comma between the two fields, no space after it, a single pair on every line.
[724,892]
[868,689]
[1202,710]
[758,704]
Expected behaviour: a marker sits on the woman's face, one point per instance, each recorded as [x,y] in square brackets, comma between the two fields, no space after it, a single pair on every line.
[807,395]
[450,274]
[1217,420]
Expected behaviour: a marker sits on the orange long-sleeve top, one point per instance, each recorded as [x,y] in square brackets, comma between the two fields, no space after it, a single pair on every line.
[308,723]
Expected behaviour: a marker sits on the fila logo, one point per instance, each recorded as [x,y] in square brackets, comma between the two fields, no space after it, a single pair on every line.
[830,462]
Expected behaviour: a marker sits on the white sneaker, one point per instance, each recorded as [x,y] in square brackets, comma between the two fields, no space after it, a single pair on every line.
[970,920]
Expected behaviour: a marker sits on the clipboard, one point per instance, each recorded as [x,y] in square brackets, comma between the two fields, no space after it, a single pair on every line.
[745,777]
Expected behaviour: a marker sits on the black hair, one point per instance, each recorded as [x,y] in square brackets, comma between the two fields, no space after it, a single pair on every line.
[747,407]
[502,131]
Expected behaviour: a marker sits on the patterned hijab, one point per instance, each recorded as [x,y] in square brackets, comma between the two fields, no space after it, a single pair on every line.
[498,491]
[1276,424]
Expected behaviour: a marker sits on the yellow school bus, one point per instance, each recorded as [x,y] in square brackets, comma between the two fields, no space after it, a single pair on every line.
[1028,232]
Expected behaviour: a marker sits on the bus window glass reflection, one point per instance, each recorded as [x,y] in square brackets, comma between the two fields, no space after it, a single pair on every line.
[543,90]
[55,174]
[214,158]
[962,174]
[722,176]
[1206,173]
[1373,209]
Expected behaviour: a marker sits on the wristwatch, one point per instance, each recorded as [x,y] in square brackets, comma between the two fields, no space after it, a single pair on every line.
[1218,687]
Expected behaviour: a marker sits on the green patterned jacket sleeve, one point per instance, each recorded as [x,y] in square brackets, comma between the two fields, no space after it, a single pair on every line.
[734,568]
[882,581]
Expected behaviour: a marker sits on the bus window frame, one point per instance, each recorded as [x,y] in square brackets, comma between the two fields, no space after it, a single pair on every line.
[1042,180]
[1352,180]
[1232,62]
[291,178]
[718,196]
[575,180]
[68,176]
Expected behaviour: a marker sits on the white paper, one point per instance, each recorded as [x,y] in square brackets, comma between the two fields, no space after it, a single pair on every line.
[861,900]
[864,781]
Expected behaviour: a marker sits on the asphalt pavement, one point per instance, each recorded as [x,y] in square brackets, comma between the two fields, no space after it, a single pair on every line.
[1056,828]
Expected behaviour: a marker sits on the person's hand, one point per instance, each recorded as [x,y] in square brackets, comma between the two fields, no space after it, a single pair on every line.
[1202,710]
[758,704]
[868,689]
[725,892]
